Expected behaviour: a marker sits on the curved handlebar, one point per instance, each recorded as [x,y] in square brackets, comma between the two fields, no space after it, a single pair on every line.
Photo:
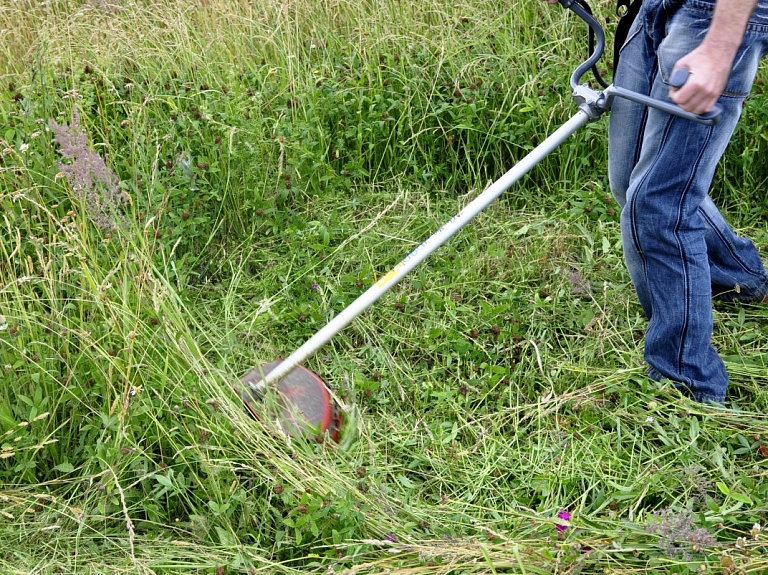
[603,102]
[595,27]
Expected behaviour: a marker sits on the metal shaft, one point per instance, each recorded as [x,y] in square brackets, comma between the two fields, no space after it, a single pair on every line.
[372,294]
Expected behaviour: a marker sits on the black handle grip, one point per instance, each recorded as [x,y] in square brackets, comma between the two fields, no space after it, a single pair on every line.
[680,77]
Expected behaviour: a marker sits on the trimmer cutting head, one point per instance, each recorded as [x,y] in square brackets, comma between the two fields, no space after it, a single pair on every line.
[301,406]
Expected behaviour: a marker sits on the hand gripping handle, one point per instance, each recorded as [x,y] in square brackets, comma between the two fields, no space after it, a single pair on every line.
[680,77]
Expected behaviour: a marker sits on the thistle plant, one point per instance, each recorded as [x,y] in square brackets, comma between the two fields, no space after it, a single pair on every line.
[678,534]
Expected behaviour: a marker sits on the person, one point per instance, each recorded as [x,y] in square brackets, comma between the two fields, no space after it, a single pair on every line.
[679,250]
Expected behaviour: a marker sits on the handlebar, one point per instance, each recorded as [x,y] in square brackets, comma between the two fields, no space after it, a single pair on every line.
[581,9]
[595,104]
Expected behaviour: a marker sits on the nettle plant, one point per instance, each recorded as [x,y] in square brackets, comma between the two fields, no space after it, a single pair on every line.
[594,201]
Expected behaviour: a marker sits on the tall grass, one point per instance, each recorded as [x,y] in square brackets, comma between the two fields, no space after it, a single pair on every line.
[279,157]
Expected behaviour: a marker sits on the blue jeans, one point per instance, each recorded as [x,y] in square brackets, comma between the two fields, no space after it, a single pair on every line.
[679,250]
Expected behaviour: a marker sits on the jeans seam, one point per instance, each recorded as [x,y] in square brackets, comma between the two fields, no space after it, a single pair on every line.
[633,207]
[643,121]
[682,247]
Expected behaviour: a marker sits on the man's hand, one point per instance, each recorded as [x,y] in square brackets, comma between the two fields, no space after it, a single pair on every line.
[710,64]
[706,81]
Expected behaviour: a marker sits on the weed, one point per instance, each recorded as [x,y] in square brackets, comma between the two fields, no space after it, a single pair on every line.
[92,182]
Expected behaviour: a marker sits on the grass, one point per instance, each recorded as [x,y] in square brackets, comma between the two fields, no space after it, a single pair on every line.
[279,158]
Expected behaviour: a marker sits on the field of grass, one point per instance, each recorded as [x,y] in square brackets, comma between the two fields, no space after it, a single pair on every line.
[190,188]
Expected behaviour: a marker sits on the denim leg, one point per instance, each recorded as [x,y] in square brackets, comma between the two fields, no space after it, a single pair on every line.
[737,271]
[677,245]
[663,231]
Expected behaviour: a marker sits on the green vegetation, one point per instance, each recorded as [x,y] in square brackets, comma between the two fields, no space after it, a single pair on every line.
[263,163]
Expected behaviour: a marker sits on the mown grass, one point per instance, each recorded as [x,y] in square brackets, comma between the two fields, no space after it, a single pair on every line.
[279,157]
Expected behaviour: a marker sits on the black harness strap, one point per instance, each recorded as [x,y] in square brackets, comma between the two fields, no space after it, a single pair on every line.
[627,10]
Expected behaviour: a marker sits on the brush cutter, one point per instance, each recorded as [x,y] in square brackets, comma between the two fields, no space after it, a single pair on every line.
[303,401]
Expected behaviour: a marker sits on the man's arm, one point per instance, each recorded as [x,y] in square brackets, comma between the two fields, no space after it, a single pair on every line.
[710,64]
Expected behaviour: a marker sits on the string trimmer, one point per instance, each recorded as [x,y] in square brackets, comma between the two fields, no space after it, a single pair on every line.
[303,400]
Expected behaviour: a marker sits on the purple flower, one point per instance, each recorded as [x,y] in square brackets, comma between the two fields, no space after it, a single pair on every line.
[88,175]
[562,515]
[391,537]
[315,287]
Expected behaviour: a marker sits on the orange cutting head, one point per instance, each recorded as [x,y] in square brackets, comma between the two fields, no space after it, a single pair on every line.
[302,404]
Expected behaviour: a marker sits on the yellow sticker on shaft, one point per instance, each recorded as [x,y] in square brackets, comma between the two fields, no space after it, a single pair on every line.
[391,274]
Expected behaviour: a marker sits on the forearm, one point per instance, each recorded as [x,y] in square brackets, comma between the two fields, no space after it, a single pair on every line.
[726,31]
